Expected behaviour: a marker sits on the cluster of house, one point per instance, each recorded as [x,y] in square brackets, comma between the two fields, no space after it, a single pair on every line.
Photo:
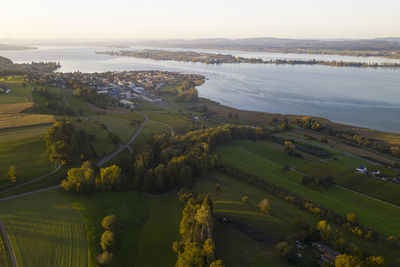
[364,170]
[4,90]
[328,255]
[126,86]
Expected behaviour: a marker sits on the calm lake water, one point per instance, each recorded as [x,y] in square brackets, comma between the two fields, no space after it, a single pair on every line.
[357,96]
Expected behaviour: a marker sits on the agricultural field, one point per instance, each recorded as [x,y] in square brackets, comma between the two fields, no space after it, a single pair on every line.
[28,155]
[5,259]
[14,108]
[18,94]
[45,230]
[377,215]
[343,172]
[22,120]
[180,124]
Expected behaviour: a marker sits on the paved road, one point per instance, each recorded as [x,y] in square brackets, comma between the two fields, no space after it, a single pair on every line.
[33,180]
[30,193]
[9,245]
[166,124]
[126,145]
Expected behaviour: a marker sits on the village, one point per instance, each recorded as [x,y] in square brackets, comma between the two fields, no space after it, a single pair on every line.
[123,87]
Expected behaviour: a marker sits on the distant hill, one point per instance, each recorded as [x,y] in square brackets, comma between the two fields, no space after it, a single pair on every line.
[4,47]
[271,44]
[5,61]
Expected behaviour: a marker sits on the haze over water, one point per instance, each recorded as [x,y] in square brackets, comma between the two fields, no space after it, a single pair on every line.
[363,97]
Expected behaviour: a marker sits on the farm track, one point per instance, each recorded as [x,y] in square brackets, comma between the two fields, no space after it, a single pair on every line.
[33,180]
[9,245]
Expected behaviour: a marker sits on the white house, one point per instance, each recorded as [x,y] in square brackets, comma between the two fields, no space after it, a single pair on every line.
[362,169]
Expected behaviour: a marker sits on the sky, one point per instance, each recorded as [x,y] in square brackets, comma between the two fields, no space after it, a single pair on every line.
[189,19]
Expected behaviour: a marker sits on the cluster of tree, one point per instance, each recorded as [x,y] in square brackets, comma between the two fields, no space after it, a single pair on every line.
[54,103]
[332,63]
[290,149]
[285,251]
[297,200]
[108,238]
[64,143]
[186,92]
[90,95]
[325,233]
[167,162]
[12,175]
[313,124]
[196,248]
[324,181]
[85,180]
[61,141]
[306,148]
[309,123]
[345,260]
[7,67]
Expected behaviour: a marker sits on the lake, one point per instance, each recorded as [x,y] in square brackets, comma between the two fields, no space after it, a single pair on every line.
[357,96]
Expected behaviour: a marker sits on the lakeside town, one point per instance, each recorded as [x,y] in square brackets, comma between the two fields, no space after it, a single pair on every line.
[123,87]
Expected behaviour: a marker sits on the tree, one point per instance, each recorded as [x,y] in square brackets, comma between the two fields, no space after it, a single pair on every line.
[12,174]
[79,180]
[324,139]
[107,240]
[110,178]
[285,251]
[217,263]
[264,206]
[307,179]
[345,260]
[375,261]
[352,218]
[290,148]
[105,258]
[110,222]
[218,187]
[245,200]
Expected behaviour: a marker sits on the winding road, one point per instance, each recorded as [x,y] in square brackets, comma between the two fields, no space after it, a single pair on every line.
[9,245]
[126,145]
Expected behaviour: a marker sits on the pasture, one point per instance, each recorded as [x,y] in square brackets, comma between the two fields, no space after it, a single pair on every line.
[374,214]
[18,94]
[28,155]
[45,230]
[149,129]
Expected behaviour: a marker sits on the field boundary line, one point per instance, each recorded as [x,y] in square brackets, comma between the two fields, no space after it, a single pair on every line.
[9,244]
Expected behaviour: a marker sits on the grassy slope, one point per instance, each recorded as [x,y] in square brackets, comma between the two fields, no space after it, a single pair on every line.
[18,93]
[150,128]
[160,231]
[45,230]
[28,155]
[374,214]
[131,209]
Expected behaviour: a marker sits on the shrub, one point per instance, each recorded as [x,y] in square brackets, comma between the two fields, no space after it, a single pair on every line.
[107,240]
[110,222]
[105,257]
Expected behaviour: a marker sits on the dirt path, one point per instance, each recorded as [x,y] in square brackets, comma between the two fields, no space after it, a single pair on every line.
[126,145]
[9,245]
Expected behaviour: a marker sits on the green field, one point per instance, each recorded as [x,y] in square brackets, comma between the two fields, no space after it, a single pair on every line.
[45,230]
[379,216]
[343,172]
[160,231]
[28,155]
[149,129]
[149,225]
[18,94]
[5,260]
[21,132]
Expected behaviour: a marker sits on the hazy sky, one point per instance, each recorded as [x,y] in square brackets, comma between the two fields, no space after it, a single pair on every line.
[131,19]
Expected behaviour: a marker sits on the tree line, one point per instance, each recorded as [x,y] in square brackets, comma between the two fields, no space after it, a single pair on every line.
[197,246]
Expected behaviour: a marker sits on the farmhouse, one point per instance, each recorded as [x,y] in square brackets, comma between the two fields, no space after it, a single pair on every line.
[127,103]
[362,169]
